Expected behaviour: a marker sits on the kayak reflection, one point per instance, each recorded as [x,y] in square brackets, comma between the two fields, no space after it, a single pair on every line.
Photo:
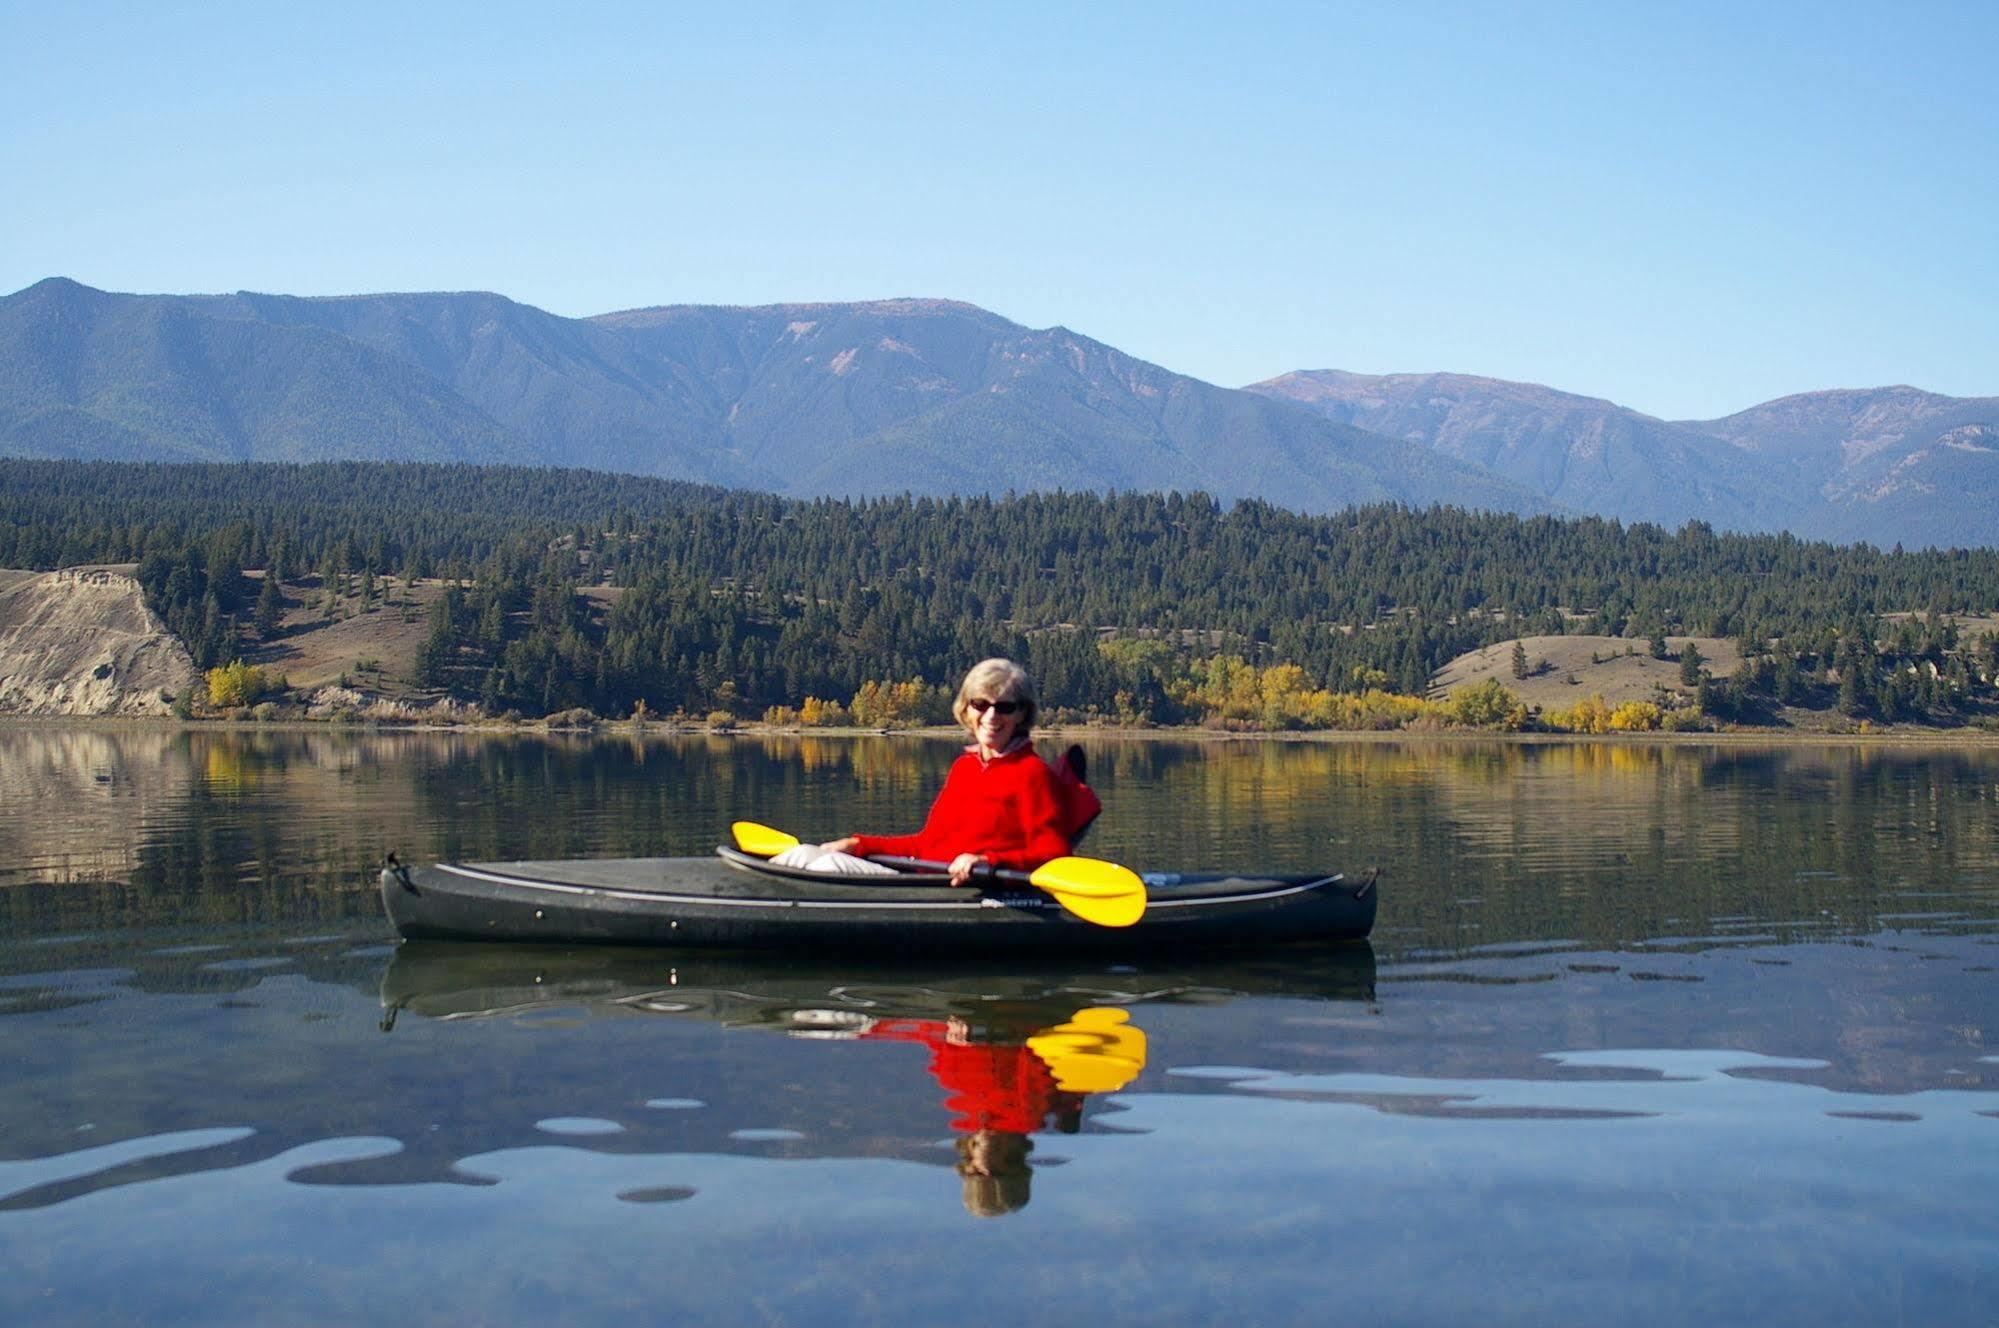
[1012,1052]
[459,980]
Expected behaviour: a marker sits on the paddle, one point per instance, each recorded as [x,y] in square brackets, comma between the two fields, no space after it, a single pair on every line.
[761,840]
[1094,890]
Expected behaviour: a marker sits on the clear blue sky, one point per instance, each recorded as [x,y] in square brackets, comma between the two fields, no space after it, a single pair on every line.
[1687,208]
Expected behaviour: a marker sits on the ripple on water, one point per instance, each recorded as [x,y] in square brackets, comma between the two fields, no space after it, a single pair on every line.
[578,1125]
[658,1194]
[1720,1083]
[19,1178]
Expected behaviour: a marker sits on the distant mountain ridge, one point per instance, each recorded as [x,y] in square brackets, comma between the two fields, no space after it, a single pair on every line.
[938,397]
[1883,465]
[926,396]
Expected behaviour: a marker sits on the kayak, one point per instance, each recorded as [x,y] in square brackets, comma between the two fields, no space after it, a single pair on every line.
[736,901]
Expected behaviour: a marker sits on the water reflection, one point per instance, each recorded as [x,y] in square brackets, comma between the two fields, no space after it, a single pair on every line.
[1658,1034]
[214,1115]
[1483,843]
[1012,1053]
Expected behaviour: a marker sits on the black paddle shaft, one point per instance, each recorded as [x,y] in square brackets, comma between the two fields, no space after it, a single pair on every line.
[987,872]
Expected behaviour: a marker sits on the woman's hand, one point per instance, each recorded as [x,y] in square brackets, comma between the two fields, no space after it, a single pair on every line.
[963,866]
[844,844]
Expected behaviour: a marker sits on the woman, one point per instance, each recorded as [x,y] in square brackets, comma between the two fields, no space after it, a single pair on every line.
[1001,805]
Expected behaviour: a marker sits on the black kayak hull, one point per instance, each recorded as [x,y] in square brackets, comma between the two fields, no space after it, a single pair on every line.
[731,901]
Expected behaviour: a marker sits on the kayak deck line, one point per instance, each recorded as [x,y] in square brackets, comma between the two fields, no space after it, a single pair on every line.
[974,901]
[1168,901]
[708,901]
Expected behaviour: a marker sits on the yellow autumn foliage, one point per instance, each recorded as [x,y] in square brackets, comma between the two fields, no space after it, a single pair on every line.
[1635,717]
[1229,691]
[813,714]
[1589,715]
[816,713]
[899,704]
[1593,714]
[1487,705]
[236,684]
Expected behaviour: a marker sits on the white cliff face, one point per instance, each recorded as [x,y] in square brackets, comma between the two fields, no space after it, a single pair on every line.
[82,642]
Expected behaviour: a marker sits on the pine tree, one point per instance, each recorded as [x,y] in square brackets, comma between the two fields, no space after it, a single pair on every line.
[270,606]
[1690,664]
[1852,697]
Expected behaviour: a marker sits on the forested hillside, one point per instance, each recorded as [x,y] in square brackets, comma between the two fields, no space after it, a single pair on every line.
[569,588]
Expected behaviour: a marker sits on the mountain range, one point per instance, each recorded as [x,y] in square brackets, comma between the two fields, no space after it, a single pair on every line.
[937,397]
[1887,465]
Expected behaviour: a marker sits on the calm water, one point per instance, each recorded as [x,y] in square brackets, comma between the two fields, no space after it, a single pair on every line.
[1646,1035]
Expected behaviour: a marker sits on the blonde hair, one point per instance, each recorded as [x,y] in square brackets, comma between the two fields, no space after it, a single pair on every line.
[997,1177]
[1001,680]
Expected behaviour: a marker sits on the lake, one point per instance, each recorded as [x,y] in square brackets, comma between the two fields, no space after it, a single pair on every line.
[1646,1034]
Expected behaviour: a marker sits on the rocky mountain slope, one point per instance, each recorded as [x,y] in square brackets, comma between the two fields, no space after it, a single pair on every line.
[82,642]
[1889,464]
[1585,454]
[1886,465]
[939,397]
[926,396]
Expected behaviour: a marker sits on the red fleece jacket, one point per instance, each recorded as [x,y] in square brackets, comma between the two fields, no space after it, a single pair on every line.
[1008,810]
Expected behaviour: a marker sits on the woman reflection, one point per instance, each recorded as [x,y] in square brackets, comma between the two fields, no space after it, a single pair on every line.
[1000,1091]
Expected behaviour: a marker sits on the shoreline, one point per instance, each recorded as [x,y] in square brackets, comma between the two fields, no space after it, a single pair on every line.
[625,728]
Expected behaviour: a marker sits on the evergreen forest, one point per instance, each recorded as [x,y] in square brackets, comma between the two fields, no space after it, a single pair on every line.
[569,589]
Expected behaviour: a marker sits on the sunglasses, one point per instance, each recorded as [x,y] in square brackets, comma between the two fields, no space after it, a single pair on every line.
[998,707]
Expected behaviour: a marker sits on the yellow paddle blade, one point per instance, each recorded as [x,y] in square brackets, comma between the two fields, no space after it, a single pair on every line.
[761,840]
[1094,890]
[1098,1051]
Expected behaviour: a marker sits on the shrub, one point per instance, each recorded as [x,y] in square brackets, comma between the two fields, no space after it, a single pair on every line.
[822,714]
[1589,715]
[1487,705]
[1635,717]
[1231,693]
[898,704]
[236,684]
[1375,709]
